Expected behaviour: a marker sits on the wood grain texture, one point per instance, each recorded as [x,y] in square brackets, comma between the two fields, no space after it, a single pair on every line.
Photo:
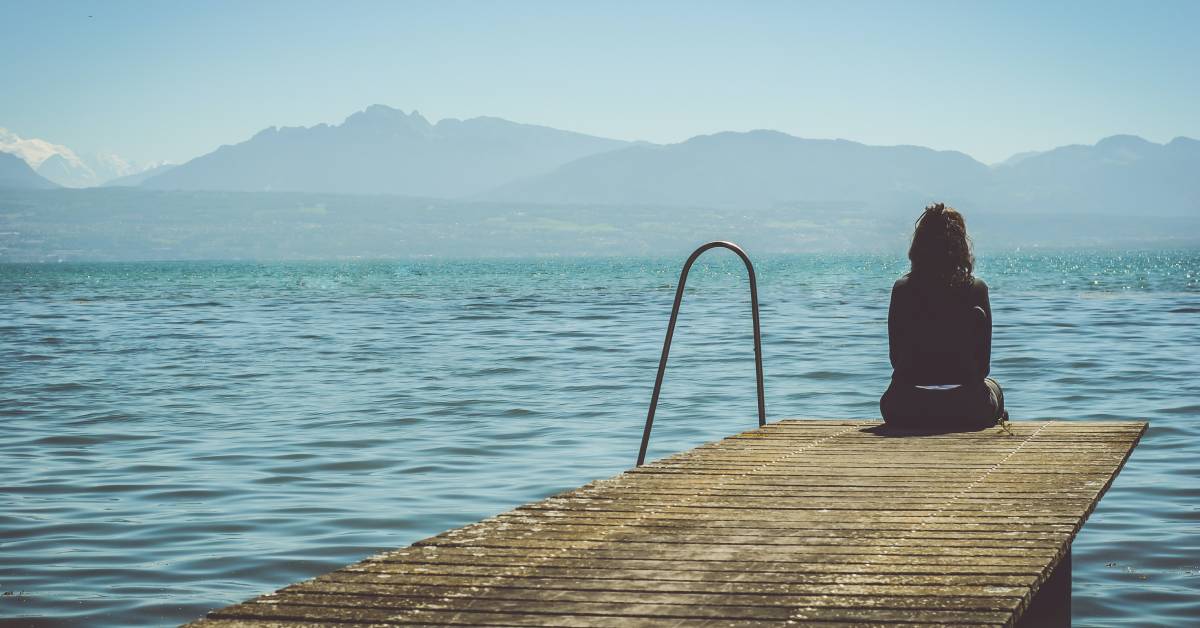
[840,523]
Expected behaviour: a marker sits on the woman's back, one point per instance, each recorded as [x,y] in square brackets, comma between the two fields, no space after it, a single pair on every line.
[939,334]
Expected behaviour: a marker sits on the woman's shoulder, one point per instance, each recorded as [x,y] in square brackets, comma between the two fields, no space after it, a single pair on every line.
[905,282]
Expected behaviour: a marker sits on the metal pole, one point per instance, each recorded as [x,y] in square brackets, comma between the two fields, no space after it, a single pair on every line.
[662,361]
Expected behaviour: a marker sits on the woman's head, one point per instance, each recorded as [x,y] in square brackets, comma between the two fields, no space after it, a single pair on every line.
[941,249]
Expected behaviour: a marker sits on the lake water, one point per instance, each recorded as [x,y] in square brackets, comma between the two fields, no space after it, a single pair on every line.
[180,436]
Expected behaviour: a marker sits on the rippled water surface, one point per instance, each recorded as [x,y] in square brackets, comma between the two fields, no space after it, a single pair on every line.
[181,436]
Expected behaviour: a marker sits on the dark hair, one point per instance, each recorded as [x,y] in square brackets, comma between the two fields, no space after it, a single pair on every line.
[941,250]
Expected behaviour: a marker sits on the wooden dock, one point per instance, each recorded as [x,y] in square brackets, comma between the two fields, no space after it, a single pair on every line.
[831,522]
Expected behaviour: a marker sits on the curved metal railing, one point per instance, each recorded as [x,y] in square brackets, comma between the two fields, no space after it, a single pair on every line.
[662,362]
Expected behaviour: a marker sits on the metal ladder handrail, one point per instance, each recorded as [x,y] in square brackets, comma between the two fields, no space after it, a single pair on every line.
[662,362]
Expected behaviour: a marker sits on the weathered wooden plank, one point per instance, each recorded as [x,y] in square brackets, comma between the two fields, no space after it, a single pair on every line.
[818,510]
[553,612]
[810,533]
[759,519]
[767,486]
[748,603]
[581,614]
[816,561]
[822,552]
[830,516]
[834,522]
[700,576]
[609,557]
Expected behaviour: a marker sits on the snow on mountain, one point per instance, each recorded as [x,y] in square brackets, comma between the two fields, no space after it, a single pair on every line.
[64,166]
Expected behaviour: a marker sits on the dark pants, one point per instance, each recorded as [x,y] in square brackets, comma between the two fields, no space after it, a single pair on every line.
[970,406]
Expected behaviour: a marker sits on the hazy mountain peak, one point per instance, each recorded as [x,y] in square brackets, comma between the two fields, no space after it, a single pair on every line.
[1124,142]
[753,136]
[34,151]
[385,117]
[383,150]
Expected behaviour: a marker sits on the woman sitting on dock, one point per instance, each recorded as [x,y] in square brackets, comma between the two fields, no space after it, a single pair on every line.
[940,334]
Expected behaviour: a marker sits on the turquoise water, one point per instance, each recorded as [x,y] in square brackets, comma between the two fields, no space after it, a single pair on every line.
[180,436]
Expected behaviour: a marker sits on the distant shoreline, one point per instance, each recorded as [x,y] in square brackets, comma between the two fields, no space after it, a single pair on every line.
[126,224]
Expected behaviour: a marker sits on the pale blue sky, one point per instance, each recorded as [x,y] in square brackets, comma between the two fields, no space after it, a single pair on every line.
[172,80]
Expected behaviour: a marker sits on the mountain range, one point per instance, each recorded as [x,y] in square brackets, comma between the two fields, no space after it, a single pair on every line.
[383,150]
[1122,174]
[386,151]
[64,166]
[755,169]
[1119,174]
